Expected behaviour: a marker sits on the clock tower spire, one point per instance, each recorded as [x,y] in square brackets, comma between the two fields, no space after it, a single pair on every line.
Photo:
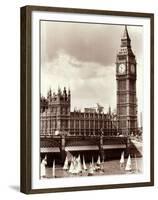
[126,86]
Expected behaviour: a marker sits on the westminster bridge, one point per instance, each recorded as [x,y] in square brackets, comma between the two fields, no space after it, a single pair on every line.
[108,147]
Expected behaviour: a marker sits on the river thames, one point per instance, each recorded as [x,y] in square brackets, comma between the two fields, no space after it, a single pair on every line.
[111,167]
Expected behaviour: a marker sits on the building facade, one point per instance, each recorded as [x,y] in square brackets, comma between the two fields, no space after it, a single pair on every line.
[56,117]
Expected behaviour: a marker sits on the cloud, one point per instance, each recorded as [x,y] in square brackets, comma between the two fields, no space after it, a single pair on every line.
[82,56]
[90,83]
[86,42]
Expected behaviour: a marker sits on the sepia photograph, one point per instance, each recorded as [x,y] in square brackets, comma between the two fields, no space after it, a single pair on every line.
[90,99]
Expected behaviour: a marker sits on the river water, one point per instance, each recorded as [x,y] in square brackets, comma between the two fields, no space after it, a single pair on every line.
[111,167]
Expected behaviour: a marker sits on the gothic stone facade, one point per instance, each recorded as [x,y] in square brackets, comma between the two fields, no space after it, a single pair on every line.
[126,86]
[56,118]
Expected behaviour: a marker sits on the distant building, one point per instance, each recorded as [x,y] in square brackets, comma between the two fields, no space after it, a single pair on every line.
[90,110]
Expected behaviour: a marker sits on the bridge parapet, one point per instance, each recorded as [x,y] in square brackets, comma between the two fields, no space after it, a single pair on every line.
[99,144]
[81,140]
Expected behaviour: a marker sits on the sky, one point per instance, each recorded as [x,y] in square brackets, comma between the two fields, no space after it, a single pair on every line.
[82,57]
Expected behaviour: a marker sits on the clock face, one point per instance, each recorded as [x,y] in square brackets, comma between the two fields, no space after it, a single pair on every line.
[132,68]
[122,68]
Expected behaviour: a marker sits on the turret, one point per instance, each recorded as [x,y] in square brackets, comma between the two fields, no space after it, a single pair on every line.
[64,94]
[59,91]
[69,94]
[49,95]
[43,104]
[126,41]
[109,110]
[125,52]
[126,85]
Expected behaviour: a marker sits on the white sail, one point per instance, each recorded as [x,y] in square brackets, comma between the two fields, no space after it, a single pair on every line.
[65,167]
[74,171]
[98,161]
[122,160]
[43,167]
[91,170]
[128,164]
[71,169]
[93,163]
[53,169]
[84,164]
[78,165]
[78,159]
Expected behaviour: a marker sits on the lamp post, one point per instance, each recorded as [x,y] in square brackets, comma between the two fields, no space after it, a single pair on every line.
[117,127]
[128,129]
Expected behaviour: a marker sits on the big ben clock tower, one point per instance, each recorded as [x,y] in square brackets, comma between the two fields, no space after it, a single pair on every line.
[126,86]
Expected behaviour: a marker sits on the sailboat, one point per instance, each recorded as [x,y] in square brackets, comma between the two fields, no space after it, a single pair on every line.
[122,160]
[128,164]
[69,156]
[71,169]
[102,165]
[78,167]
[53,169]
[92,163]
[98,165]
[66,166]
[75,164]
[84,164]
[90,170]
[98,161]
[43,167]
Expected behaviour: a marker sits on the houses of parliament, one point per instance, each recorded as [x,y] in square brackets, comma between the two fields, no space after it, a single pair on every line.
[57,118]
